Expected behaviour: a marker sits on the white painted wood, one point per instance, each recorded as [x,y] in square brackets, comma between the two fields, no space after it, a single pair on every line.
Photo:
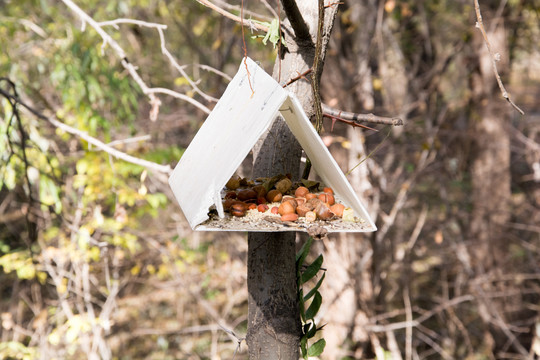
[238,120]
[321,159]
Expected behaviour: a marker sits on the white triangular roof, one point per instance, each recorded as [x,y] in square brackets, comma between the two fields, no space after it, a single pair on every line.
[238,120]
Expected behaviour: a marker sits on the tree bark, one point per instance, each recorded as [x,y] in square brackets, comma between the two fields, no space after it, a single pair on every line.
[274,327]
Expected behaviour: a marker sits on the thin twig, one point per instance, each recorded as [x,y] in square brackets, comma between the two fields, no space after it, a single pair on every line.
[420,319]
[160,28]
[300,76]
[114,23]
[370,118]
[129,140]
[238,19]
[108,40]
[348,122]
[494,57]
[91,140]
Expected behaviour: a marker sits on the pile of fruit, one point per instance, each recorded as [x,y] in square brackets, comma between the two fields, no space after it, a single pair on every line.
[281,197]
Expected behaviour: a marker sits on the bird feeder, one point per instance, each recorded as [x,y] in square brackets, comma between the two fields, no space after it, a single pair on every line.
[248,107]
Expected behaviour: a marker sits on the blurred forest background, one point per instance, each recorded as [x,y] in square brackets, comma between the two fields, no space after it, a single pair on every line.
[97,261]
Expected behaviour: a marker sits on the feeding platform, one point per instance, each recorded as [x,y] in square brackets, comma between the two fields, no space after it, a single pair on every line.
[236,123]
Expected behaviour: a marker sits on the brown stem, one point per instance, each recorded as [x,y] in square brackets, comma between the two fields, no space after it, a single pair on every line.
[370,118]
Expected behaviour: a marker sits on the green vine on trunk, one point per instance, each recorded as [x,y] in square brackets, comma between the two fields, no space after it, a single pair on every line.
[306,272]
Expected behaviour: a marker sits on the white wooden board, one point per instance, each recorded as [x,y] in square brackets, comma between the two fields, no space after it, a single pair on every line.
[229,133]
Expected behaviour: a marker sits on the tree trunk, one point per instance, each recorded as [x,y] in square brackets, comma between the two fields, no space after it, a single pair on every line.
[274,328]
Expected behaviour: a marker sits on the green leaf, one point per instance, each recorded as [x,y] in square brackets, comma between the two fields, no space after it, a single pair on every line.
[304,250]
[273,33]
[310,184]
[312,269]
[314,290]
[317,348]
[303,347]
[313,308]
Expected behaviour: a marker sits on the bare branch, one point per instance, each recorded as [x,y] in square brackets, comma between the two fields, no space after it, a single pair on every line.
[164,50]
[108,40]
[225,5]
[300,76]
[92,140]
[348,122]
[404,324]
[370,118]
[251,24]
[493,57]
[214,70]
[114,23]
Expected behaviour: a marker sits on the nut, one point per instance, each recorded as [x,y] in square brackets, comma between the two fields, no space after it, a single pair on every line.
[260,190]
[262,208]
[246,194]
[233,183]
[274,196]
[238,209]
[327,198]
[227,203]
[311,216]
[252,206]
[283,185]
[315,201]
[328,190]
[302,209]
[287,198]
[323,211]
[310,196]
[289,217]
[274,210]
[286,208]
[230,195]
[302,191]
[337,209]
